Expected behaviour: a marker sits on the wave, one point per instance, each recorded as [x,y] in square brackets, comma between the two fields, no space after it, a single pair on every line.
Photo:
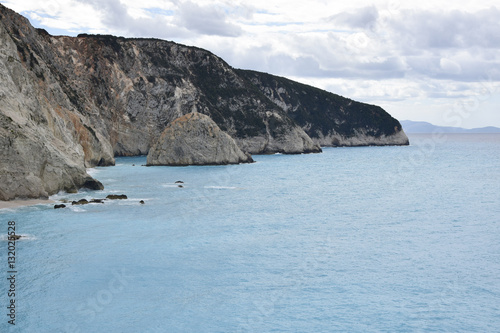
[222,187]
[92,171]
[76,209]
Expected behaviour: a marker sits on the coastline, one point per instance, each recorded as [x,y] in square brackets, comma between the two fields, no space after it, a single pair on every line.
[21,203]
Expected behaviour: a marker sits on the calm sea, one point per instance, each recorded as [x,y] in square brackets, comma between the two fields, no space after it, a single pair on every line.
[372,239]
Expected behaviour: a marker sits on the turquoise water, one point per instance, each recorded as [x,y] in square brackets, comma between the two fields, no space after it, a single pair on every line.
[373,239]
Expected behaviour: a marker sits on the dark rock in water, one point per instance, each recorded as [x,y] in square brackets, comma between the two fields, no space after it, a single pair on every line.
[142,202]
[116,197]
[59,206]
[93,184]
[15,237]
[80,202]
[180,186]
[97,201]
[179,182]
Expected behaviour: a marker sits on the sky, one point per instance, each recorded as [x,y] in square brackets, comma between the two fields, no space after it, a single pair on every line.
[435,61]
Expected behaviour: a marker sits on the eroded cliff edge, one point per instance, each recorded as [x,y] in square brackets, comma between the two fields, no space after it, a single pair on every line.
[67,103]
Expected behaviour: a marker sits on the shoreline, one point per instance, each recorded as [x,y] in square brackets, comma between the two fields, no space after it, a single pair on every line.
[22,203]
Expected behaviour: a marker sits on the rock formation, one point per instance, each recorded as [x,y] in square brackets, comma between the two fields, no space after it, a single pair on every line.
[195,139]
[67,103]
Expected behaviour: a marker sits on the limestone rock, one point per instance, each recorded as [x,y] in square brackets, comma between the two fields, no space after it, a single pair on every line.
[282,136]
[195,139]
[40,153]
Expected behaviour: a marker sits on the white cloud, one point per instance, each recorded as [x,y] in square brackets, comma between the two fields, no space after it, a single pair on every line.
[206,20]
[364,18]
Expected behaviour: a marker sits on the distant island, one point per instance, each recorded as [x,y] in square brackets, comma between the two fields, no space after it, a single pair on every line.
[410,126]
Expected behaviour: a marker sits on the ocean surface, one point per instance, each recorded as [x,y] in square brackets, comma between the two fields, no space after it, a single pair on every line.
[369,239]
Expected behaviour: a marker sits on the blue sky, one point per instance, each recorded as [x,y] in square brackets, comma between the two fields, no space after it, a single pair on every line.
[435,61]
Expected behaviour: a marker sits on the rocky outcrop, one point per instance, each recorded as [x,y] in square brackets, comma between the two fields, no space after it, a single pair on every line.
[67,103]
[282,135]
[195,139]
[361,137]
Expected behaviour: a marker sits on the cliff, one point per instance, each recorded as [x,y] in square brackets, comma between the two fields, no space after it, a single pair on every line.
[67,103]
[41,134]
[329,119]
[195,139]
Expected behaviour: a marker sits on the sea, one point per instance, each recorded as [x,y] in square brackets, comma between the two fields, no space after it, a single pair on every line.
[361,239]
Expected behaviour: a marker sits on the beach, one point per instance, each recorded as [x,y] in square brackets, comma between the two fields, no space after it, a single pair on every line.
[28,202]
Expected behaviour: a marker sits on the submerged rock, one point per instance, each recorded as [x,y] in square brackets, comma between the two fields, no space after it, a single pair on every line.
[80,202]
[116,197]
[59,206]
[195,139]
[93,184]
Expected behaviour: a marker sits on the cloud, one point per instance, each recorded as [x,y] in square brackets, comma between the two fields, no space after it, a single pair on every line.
[207,20]
[170,19]
[454,29]
[116,16]
[437,44]
[364,18]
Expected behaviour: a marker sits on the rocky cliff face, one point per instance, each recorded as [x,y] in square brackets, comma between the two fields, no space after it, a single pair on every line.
[40,152]
[195,139]
[73,102]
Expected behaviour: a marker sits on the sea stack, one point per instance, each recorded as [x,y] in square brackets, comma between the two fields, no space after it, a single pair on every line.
[195,139]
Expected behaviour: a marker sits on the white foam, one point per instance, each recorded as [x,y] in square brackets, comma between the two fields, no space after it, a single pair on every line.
[92,171]
[76,209]
[221,187]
